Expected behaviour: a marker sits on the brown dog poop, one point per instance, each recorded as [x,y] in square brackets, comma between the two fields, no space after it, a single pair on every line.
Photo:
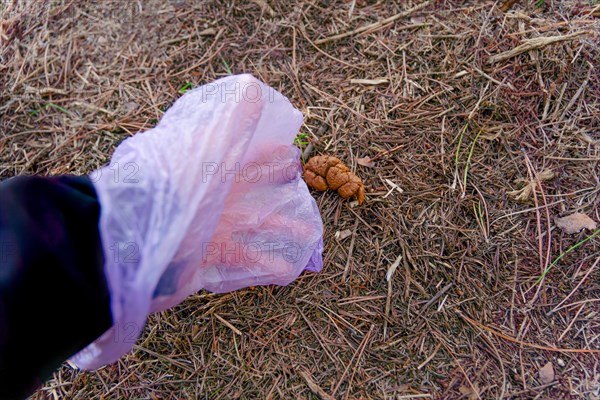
[327,172]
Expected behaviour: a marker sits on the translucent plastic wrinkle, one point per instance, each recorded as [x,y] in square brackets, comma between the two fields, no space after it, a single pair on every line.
[211,198]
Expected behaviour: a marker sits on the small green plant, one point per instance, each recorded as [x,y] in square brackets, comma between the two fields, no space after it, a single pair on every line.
[186,87]
[52,105]
[469,156]
[301,139]
[570,249]
[481,217]
[469,160]
[460,139]
[539,3]
[227,68]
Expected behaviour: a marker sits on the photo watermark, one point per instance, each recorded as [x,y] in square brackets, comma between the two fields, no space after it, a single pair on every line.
[250,172]
[125,253]
[118,173]
[233,252]
[251,252]
[250,92]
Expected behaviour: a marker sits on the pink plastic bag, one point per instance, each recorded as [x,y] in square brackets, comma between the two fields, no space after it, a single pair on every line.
[211,198]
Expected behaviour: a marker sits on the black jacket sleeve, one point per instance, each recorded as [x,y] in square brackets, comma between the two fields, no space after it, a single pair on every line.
[53,294]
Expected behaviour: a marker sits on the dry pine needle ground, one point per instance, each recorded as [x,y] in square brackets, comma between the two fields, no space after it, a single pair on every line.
[430,289]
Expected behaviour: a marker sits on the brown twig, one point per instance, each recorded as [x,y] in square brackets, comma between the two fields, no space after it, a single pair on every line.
[533,44]
[374,25]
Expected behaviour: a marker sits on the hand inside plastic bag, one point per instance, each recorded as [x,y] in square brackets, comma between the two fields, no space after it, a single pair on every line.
[211,198]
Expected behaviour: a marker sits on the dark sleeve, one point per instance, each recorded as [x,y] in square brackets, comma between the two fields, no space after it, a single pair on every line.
[53,294]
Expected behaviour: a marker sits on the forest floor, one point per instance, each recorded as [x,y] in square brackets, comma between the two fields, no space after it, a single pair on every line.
[475,129]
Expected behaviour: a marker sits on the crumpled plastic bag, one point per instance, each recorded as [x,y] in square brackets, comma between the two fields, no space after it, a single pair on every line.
[211,198]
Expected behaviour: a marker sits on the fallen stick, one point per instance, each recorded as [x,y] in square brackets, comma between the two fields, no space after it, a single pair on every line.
[374,25]
[532,44]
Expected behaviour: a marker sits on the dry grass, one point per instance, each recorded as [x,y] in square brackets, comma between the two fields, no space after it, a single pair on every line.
[462,316]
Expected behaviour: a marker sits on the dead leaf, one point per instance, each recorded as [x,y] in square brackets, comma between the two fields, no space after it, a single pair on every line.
[521,195]
[418,19]
[472,393]
[575,223]
[525,192]
[365,162]
[543,176]
[546,373]
[130,106]
[341,235]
